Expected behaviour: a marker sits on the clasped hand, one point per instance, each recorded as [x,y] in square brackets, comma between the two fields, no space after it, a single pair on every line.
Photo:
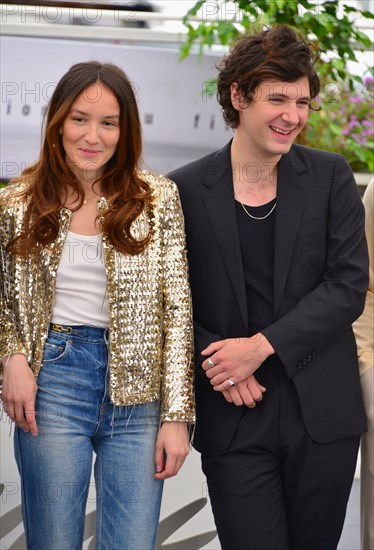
[234,360]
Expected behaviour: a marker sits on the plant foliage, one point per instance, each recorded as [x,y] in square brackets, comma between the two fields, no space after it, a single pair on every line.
[345,122]
[330,25]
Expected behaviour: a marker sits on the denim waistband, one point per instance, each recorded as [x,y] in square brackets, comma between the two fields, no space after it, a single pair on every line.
[85,332]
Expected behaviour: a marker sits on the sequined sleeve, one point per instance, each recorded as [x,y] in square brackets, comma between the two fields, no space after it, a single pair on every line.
[177,379]
[10,341]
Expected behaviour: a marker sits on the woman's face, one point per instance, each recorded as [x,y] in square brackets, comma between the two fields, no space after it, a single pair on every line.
[91,131]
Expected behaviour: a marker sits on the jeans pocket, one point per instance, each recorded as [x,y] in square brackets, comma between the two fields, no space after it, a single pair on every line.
[55,350]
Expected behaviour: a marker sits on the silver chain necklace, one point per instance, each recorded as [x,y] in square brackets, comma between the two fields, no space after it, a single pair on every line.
[254,217]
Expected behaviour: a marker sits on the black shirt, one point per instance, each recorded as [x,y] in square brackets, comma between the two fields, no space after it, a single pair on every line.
[256,238]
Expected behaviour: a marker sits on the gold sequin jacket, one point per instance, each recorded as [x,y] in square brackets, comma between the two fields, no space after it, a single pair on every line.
[150,319]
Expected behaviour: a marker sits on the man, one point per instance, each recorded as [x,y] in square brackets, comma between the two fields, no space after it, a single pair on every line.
[364,331]
[278,267]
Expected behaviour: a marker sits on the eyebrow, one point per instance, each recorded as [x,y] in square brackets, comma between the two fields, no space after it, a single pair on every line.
[86,114]
[285,96]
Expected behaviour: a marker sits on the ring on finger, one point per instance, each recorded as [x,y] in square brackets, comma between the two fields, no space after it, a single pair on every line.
[231,382]
[210,363]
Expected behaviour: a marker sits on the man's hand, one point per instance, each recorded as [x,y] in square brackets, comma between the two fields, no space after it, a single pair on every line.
[247,392]
[19,392]
[235,359]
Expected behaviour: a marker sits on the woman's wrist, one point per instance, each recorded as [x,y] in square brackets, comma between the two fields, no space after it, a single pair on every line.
[8,359]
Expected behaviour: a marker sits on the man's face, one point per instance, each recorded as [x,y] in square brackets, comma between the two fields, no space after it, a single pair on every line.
[277,114]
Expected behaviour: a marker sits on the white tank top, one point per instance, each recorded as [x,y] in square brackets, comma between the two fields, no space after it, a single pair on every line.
[80,296]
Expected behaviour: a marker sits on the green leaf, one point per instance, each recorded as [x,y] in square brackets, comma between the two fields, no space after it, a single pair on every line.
[193,11]
[367,14]
[350,9]
[335,129]
[363,38]
[307,5]
[184,50]
[280,4]
[338,63]
[246,22]
[209,39]
[331,8]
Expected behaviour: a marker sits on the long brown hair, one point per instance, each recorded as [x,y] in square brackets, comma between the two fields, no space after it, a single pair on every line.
[49,179]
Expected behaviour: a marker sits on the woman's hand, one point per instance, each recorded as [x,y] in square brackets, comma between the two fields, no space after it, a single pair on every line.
[19,392]
[172,447]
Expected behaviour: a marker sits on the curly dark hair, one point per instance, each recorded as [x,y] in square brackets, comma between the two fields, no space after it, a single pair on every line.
[278,53]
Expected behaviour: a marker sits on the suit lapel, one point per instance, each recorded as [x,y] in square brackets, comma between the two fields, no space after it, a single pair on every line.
[220,208]
[291,196]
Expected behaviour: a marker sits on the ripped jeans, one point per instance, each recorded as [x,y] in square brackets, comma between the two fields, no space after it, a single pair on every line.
[75,418]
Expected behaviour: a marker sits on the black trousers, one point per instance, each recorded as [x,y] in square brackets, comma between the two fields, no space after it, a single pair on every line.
[275,488]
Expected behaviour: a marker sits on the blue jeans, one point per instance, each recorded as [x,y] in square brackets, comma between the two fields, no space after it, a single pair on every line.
[75,418]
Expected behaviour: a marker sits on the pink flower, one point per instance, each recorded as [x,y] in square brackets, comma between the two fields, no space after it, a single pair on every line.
[369,82]
[355,99]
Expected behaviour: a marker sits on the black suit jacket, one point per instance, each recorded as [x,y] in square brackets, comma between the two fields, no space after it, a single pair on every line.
[320,282]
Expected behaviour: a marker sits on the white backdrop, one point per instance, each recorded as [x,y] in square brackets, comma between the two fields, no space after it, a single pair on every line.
[180,123]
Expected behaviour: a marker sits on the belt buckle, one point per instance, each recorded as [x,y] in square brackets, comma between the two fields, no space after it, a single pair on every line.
[60,328]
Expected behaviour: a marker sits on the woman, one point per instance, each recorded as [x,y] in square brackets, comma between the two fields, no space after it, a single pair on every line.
[95,299]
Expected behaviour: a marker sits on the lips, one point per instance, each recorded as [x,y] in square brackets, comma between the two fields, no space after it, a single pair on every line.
[89,152]
[280,131]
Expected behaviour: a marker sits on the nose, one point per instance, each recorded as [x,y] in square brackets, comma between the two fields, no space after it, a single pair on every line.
[92,135]
[290,113]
